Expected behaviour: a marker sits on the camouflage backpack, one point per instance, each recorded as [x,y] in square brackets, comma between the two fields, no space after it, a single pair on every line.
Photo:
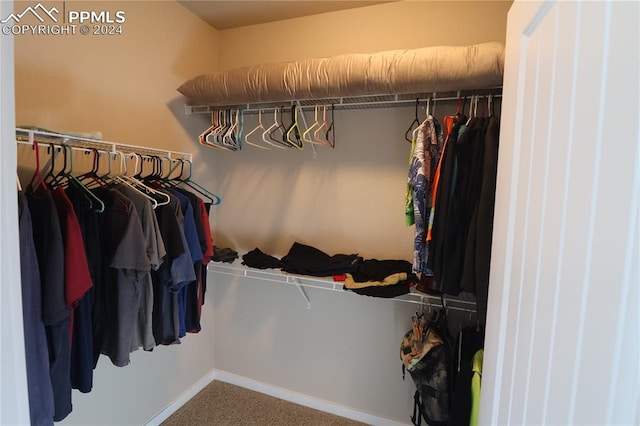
[426,357]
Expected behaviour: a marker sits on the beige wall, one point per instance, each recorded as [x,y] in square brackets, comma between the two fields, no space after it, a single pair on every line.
[397,25]
[123,85]
[351,198]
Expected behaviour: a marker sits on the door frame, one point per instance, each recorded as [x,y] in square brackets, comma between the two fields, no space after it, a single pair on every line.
[14,403]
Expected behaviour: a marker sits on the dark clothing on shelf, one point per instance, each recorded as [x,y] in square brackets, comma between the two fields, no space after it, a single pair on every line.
[256,258]
[226,255]
[307,260]
[378,270]
[387,292]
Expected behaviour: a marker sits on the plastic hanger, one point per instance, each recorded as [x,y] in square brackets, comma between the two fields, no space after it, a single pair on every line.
[229,139]
[215,200]
[125,180]
[92,175]
[266,134]
[59,178]
[271,128]
[305,134]
[36,173]
[281,127]
[99,206]
[294,130]
[331,130]
[213,138]
[202,139]
[433,110]
[260,127]
[415,121]
[414,133]
[321,127]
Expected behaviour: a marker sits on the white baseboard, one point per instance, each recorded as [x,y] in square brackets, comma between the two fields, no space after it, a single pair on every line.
[275,391]
[305,400]
[182,399]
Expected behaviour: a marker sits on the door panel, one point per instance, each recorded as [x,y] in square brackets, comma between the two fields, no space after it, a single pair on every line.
[562,326]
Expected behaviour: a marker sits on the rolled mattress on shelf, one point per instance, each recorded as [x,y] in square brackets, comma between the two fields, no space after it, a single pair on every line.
[425,70]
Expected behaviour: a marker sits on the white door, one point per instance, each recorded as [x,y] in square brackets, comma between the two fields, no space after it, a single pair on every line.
[13,381]
[563,324]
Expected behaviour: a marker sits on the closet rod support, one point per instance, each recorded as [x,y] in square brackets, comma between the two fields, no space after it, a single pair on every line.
[300,288]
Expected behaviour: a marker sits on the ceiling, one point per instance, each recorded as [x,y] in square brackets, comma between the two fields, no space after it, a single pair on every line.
[224,15]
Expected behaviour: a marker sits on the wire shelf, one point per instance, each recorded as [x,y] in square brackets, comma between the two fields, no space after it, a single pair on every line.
[465,302]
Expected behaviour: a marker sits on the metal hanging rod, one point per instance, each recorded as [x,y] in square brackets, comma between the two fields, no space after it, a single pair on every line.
[354,102]
[29,136]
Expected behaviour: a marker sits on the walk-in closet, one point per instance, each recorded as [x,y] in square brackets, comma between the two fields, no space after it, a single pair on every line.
[396,212]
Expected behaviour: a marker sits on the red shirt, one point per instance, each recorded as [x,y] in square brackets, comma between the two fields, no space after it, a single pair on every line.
[77,278]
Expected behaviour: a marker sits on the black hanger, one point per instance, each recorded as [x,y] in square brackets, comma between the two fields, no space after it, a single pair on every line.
[53,150]
[293,129]
[415,121]
[281,127]
[331,130]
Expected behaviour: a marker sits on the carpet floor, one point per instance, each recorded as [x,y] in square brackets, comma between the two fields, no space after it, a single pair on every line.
[225,404]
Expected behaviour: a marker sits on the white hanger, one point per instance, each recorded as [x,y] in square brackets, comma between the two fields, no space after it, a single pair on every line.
[322,126]
[265,134]
[260,126]
[120,178]
[228,138]
[275,124]
[144,188]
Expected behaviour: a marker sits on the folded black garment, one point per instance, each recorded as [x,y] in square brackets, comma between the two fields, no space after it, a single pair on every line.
[378,270]
[307,260]
[386,292]
[257,259]
[226,255]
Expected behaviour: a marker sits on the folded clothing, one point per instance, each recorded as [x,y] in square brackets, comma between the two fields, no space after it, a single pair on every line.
[226,255]
[307,260]
[387,292]
[392,279]
[379,270]
[256,258]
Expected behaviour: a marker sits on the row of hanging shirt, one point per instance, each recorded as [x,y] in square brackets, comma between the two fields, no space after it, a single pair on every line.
[110,264]
[450,199]
[228,132]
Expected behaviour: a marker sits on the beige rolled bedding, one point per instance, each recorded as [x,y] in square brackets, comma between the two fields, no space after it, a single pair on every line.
[429,69]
